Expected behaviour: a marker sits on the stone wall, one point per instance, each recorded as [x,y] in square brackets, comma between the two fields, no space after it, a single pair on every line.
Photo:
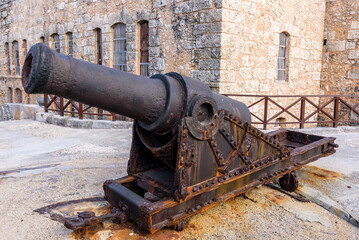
[250,46]
[232,45]
[174,37]
[340,73]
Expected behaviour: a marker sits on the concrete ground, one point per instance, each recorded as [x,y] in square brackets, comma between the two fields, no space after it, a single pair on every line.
[42,165]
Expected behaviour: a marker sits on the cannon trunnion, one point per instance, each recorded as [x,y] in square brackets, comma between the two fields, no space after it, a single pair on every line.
[191,148]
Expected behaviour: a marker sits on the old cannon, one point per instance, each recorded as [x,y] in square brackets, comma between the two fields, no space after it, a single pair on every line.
[191,148]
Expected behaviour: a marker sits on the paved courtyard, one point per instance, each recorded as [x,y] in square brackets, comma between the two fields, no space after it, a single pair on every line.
[42,165]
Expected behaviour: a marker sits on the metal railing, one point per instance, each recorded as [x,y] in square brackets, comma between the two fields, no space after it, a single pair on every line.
[318,110]
[144,69]
[72,108]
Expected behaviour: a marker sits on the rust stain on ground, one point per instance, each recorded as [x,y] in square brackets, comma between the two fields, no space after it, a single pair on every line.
[276,197]
[126,231]
[320,173]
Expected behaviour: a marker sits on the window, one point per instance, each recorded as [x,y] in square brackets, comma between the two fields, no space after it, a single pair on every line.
[99,45]
[24,48]
[283,57]
[144,44]
[7,53]
[70,44]
[18,94]
[15,55]
[56,42]
[98,33]
[119,47]
[9,95]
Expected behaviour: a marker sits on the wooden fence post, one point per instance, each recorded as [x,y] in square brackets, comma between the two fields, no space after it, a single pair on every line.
[46,100]
[336,112]
[81,116]
[265,114]
[302,112]
[61,106]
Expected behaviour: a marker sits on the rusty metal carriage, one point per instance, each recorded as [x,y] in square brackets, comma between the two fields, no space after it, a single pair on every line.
[191,148]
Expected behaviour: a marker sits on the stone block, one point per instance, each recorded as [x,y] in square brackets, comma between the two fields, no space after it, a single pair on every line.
[245,73]
[353,34]
[155,41]
[184,7]
[200,29]
[230,65]
[354,25]
[233,16]
[158,64]
[329,35]
[42,116]
[208,41]
[230,4]
[350,45]
[336,46]
[62,121]
[18,111]
[208,64]
[210,16]
[259,73]
[206,75]
[353,74]
[61,6]
[201,4]
[103,124]
[89,50]
[353,54]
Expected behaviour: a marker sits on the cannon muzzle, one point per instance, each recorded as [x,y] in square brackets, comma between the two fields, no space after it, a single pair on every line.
[158,103]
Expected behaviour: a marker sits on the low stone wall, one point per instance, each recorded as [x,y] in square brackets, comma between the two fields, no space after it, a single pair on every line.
[19,111]
[81,123]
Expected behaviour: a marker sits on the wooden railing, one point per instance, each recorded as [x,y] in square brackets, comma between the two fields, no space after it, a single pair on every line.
[301,110]
[72,108]
[279,110]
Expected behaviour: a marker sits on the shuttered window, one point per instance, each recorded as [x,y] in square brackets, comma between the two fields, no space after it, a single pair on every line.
[24,48]
[98,33]
[144,44]
[16,57]
[283,57]
[119,47]
[7,53]
[70,44]
[56,42]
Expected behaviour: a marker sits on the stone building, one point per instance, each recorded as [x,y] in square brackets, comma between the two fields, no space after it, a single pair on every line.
[235,46]
[340,72]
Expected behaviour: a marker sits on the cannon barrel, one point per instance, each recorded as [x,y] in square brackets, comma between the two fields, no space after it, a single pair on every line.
[158,102]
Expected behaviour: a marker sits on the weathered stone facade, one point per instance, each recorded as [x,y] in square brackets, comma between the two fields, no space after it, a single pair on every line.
[230,44]
[340,73]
